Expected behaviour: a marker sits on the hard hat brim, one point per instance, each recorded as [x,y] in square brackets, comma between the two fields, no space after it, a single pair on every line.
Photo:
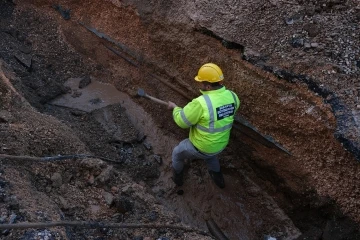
[197,79]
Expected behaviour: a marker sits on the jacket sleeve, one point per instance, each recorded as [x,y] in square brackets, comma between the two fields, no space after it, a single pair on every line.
[238,102]
[189,115]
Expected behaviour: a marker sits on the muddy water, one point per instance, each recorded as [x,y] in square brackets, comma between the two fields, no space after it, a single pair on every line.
[232,208]
[95,96]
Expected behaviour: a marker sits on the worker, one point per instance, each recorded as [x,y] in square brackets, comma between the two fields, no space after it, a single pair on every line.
[210,118]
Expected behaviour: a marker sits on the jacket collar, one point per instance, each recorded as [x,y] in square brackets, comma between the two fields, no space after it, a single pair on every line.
[222,89]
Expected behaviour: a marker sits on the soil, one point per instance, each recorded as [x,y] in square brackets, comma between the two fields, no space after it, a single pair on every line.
[58,56]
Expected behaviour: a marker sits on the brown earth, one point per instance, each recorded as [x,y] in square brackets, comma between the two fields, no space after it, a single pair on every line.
[311,194]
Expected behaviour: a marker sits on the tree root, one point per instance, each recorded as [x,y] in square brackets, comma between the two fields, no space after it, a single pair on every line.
[98,225]
[215,230]
[53,158]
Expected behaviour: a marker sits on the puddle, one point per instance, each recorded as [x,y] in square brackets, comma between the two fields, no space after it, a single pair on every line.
[94,96]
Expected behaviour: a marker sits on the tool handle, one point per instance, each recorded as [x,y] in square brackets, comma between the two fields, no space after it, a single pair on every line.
[157,100]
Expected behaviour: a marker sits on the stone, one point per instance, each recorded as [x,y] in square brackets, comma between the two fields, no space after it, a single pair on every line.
[109,198]
[85,81]
[140,137]
[297,42]
[25,60]
[311,29]
[147,146]
[91,180]
[158,159]
[56,180]
[153,216]
[5,116]
[314,45]
[307,45]
[114,189]
[104,175]
[63,203]
[123,204]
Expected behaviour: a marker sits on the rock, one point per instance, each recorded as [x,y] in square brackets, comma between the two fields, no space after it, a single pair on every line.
[158,159]
[123,204]
[311,29]
[114,190]
[307,45]
[63,203]
[77,113]
[314,45]
[76,94]
[297,17]
[48,189]
[5,117]
[92,164]
[67,177]
[147,146]
[25,49]
[91,180]
[2,219]
[140,137]
[94,209]
[95,101]
[310,10]
[25,60]
[2,195]
[269,238]
[297,42]
[85,81]
[105,175]
[109,198]
[56,180]
[13,203]
[251,55]
[153,216]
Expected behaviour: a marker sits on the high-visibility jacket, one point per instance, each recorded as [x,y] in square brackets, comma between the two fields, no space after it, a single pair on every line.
[210,118]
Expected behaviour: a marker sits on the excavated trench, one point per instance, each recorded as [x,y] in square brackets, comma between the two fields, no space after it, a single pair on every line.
[303,187]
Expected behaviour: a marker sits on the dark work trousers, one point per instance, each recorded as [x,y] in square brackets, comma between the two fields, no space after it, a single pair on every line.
[186,150]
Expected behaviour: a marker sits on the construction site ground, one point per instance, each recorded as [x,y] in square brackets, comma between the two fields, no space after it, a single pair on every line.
[69,76]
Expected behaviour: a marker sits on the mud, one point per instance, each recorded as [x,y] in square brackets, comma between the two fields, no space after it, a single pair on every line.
[311,194]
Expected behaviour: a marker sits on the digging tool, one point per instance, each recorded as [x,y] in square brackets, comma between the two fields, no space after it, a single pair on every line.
[142,93]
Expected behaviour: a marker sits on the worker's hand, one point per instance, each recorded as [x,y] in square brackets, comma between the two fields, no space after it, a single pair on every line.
[171,105]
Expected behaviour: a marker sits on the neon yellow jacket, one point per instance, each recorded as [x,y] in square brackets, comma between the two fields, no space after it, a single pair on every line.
[210,118]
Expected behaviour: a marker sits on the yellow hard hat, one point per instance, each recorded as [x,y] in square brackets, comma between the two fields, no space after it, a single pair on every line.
[209,72]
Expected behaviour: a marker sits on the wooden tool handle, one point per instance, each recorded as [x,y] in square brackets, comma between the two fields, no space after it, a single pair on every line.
[157,100]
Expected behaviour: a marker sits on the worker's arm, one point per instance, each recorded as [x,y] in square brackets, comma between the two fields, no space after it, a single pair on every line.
[189,115]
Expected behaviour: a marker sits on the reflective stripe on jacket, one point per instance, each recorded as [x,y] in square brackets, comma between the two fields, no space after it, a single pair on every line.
[210,118]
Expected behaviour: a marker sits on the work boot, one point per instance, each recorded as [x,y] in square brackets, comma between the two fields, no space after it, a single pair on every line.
[178,178]
[218,178]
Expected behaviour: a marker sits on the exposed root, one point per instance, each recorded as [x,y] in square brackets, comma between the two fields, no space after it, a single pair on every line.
[98,225]
[53,158]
